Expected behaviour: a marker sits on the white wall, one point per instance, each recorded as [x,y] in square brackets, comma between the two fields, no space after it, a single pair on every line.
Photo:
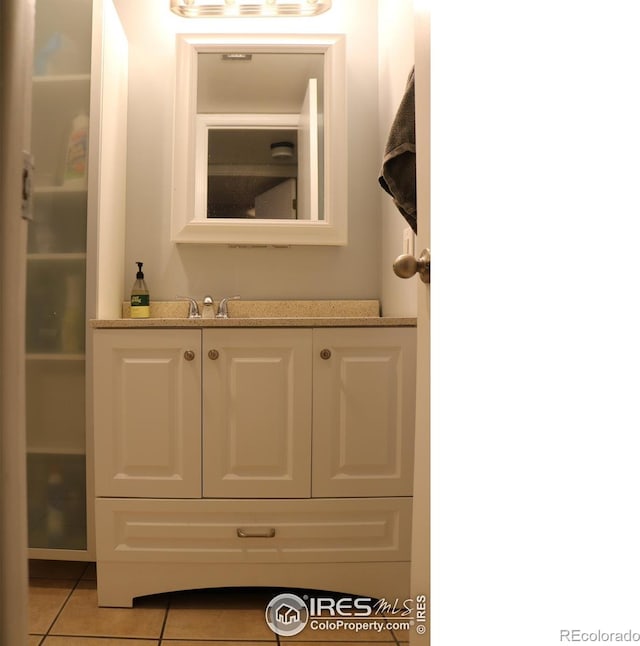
[396,58]
[304,272]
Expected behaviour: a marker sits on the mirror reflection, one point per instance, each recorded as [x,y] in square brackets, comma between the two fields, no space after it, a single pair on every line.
[259,116]
[252,174]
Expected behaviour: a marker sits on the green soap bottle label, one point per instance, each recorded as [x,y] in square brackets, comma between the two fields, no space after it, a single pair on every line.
[140,306]
[140,300]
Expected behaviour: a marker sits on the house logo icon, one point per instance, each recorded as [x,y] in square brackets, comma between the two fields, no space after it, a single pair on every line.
[287,614]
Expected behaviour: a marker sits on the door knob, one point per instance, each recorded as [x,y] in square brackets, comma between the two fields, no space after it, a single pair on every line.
[406,266]
[189,355]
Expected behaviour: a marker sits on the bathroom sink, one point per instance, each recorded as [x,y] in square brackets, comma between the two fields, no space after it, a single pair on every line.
[303,309]
[265,313]
[269,309]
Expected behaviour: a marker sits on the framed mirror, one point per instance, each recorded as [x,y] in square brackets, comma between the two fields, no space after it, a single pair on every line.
[260,140]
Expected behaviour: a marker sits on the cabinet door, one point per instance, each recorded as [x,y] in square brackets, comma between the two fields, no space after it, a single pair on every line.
[56,272]
[363,411]
[256,413]
[147,397]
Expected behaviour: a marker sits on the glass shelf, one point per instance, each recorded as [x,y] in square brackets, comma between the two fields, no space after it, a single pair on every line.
[59,225]
[56,101]
[70,79]
[45,450]
[57,189]
[54,356]
[57,256]
[57,509]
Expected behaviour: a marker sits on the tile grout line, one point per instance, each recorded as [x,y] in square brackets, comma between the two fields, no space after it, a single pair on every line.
[86,569]
[62,607]
[164,621]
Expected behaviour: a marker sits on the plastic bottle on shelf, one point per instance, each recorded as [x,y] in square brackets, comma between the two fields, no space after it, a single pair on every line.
[55,508]
[75,165]
[47,338]
[72,332]
[42,58]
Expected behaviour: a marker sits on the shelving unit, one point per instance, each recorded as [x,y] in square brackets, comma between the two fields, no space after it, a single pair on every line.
[56,286]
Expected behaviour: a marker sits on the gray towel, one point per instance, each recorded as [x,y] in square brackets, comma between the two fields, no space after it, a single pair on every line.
[398,174]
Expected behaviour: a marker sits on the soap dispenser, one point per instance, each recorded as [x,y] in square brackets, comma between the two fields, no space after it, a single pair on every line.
[139,296]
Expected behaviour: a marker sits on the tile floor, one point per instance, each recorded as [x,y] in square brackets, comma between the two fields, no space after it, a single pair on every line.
[63,611]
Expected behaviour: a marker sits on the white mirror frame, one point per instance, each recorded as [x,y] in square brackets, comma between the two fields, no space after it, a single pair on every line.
[237,122]
[189,224]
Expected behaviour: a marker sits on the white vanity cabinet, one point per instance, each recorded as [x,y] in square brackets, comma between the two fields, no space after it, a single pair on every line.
[253,457]
[147,413]
[256,424]
[363,411]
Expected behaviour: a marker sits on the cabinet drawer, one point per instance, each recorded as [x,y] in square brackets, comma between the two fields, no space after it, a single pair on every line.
[258,531]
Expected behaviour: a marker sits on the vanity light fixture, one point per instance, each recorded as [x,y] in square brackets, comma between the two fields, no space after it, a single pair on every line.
[248,8]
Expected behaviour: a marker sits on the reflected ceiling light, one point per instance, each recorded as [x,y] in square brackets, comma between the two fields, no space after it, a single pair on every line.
[248,8]
[282,150]
[236,56]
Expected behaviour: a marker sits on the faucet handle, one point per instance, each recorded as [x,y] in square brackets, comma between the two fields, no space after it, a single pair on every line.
[194,313]
[223,312]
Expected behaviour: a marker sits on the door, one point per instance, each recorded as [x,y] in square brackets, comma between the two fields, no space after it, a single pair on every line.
[16,46]
[256,413]
[420,561]
[277,202]
[308,190]
[147,413]
[56,284]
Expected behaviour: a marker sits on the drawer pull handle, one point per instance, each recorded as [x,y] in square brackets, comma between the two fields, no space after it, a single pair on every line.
[259,532]
[213,354]
[189,355]
[325,354]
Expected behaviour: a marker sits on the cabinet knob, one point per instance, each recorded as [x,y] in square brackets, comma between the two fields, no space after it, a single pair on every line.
[213,354]
[325,354]
[189,355]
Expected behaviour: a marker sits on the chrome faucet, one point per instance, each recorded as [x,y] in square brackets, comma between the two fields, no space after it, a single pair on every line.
[194,312]
[223,312]
[207,307]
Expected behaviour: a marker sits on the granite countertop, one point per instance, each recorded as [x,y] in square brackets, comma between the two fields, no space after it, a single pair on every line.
[326,313]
